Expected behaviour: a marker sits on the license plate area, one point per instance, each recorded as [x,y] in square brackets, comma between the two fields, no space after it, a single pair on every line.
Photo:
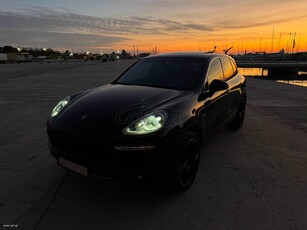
[73,166]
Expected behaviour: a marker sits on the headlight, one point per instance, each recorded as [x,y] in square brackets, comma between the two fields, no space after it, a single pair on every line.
[60,106]
[147,124]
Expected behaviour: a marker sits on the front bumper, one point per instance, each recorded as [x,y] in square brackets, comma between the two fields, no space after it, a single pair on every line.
[123,160]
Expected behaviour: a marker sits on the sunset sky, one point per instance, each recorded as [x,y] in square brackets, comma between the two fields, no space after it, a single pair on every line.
[168,25]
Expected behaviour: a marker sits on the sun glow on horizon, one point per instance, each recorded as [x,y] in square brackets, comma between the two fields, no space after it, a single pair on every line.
[270,42]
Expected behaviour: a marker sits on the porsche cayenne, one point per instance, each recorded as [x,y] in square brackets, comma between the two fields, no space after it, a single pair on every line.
[151,121]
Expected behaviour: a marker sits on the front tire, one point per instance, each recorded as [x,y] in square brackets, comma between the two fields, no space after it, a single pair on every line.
[185,162]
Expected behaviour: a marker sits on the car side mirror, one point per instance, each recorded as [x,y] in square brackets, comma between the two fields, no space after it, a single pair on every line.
[217,85]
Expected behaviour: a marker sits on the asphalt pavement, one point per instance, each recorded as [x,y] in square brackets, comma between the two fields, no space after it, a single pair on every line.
[253,178]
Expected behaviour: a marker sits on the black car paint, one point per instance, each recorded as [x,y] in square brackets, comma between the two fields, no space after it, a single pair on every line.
[90,127]
[112,106]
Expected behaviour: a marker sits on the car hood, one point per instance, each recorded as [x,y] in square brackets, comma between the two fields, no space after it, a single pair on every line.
[105,111]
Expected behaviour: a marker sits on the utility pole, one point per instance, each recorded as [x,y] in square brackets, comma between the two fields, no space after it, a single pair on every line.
[272,41]
[279,42]
[288,43]
[293,41]
[299,41]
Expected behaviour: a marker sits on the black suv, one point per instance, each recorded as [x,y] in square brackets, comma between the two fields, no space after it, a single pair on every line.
[151,121]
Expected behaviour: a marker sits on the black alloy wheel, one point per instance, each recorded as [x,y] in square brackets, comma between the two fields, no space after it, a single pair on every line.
[237,122]
[186,162]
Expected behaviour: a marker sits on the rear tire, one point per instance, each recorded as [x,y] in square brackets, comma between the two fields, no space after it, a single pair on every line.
[185,162]
[237,122]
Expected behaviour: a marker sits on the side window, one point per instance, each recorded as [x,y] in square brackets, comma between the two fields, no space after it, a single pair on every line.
[227,67]
[215,71]
[234,65]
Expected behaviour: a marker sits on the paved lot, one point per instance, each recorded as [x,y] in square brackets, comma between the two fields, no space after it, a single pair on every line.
[254,178]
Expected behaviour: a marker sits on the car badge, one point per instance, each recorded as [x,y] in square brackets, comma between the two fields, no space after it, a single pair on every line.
[83,117]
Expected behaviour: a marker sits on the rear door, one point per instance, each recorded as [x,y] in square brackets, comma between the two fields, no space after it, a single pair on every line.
[234,82]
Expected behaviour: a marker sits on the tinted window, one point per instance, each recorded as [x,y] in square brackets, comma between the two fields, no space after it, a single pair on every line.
[234,65]
[227,67]
[215,71]
[174,73]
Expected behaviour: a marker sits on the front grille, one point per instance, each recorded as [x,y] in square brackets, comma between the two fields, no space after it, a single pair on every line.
[77,147]
[100,157]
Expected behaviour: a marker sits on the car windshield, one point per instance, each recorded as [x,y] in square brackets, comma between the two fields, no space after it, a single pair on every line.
[173,73]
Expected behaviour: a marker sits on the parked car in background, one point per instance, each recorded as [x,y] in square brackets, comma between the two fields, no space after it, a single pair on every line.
[151,121]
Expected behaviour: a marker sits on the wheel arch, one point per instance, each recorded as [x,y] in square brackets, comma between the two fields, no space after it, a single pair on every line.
[195,126]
